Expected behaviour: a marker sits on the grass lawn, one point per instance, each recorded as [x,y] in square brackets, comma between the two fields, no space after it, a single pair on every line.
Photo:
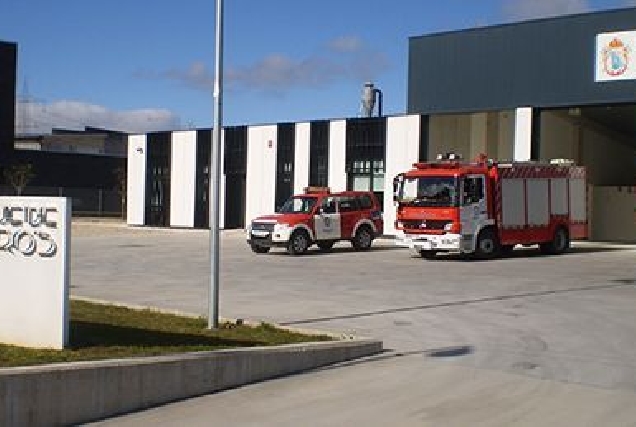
[107,332]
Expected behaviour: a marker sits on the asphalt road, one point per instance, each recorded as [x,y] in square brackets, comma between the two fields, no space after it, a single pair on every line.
[525,340]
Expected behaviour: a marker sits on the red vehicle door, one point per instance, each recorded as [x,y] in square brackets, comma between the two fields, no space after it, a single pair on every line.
[349,215]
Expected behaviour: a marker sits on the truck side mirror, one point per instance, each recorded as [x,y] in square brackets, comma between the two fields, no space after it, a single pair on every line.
[397,183]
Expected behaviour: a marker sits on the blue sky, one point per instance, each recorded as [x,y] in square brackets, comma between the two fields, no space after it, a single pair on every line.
[148,65]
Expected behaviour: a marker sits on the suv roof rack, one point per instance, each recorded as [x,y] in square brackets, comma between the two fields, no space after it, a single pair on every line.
[316,189]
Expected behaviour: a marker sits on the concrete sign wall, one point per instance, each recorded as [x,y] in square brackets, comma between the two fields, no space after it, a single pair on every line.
[34,262]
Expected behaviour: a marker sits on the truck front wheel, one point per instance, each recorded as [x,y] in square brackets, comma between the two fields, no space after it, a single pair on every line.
[487,244]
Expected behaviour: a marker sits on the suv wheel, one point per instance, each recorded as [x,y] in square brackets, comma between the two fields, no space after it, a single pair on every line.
[298,243]
[363,238]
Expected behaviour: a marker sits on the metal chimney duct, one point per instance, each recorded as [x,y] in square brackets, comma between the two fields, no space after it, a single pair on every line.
[368,99]
[369,92]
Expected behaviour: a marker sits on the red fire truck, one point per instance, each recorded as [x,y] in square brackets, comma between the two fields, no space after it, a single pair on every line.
[485,208]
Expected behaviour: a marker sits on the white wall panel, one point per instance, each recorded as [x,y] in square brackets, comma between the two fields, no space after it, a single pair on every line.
[402,150]
[337,155]
[523,134]
[261,171]
[301,157]
[222,185]
[136,180]
[182,179]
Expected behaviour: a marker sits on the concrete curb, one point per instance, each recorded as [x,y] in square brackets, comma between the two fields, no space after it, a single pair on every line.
[73,393]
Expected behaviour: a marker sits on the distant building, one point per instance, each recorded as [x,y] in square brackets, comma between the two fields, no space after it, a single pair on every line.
[91,140]
[8,59]
[82,165]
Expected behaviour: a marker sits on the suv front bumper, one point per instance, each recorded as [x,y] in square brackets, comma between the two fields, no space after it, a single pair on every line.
[278,237]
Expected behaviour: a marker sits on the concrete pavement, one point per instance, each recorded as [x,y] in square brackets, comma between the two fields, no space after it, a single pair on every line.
[548,338]
[398,391]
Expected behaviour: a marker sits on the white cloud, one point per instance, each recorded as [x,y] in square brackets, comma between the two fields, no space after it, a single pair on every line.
[37,117]
[529,9]
[196,76]
[346,44]
[342,59]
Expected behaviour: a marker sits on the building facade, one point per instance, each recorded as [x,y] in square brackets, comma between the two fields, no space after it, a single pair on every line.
[563,87]
[264,165]
[553,88]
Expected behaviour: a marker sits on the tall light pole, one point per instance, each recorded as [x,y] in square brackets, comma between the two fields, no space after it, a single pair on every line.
[215,173]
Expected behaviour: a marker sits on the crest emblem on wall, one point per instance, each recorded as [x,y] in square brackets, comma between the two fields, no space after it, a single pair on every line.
[616,58]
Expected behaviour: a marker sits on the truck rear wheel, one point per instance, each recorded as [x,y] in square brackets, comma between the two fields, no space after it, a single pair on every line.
[559,244]
[487,244]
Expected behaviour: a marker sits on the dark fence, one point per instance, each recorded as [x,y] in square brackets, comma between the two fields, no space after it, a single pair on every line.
[84,201]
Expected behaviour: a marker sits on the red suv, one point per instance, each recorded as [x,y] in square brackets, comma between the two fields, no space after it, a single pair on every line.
[319,217]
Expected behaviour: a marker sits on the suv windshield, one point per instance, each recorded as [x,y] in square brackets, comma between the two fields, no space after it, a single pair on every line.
[429,191]
[299,205]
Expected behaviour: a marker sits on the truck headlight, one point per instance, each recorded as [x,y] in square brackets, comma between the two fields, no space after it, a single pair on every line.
[448,227]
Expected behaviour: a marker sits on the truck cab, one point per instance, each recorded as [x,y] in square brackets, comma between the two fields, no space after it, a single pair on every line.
[442,209]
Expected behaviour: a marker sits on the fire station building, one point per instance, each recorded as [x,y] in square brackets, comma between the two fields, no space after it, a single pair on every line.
[561,87]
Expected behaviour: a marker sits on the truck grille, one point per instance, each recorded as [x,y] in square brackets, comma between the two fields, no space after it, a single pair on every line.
[428,224]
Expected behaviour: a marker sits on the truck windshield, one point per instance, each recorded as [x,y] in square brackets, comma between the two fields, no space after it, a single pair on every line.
[429,191]
[299,205]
